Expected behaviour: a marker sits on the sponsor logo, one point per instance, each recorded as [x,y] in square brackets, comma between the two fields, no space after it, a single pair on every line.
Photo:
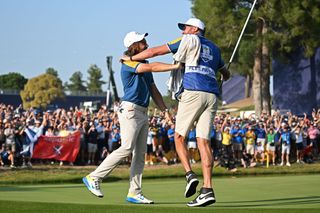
[206,53]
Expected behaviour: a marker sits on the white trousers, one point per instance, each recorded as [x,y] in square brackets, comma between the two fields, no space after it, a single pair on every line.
[134,131]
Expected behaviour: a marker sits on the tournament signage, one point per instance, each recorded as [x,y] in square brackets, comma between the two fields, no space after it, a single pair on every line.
[59,148]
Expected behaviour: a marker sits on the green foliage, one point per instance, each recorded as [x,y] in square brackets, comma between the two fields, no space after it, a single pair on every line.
[54,72]
[94,79]
[224,21]
[77,84]
[12,80]
[41,91]
[296,25]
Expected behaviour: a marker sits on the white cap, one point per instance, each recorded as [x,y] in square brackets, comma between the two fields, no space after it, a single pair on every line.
[192,22]
[133,37]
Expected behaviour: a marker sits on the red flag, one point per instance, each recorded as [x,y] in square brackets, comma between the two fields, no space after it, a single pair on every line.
[59,148]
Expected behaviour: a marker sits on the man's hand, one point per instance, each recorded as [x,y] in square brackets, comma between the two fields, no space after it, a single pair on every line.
[168,117]
[124,58]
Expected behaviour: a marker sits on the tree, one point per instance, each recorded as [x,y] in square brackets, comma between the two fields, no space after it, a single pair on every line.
[245,63]
[279,28]
[54,72]
[12,80]
[296,28]
[77,84]
[94,83]
[41,91]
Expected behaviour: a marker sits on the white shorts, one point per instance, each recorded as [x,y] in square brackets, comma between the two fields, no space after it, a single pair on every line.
[250,149]
[271,148]
[261,141]
[259,148]
[192,144]
[285,149]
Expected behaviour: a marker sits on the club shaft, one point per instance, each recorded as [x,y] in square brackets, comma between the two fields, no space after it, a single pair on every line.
[239,39]
[242,31]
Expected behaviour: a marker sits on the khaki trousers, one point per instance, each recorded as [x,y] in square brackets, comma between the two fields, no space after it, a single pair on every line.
[133,130]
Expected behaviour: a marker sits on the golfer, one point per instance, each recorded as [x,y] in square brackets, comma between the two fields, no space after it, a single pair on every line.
[138,86]
[198,102]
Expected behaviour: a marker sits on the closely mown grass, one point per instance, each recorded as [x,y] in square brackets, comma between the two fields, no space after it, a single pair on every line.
[19,207]
[289,193]
[68,174]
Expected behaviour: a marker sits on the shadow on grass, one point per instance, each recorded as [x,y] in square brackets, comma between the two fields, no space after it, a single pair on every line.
[271,202]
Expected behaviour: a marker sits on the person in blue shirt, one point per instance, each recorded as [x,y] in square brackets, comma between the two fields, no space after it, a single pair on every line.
[170,134]
[198,101]
[237,142]
[286,144]
[115,139]
[192,144]
[138,86]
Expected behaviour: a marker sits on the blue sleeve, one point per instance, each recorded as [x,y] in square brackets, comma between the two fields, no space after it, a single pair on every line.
[174,45]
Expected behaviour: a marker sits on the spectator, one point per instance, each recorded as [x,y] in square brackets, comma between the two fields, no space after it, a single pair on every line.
[285,141]
[92,143]
[170,134]
[271,144]
[149,154]
[313,133]
[250,141]
[10,143]
[237,143]
[227,150]
[260,143]
[115,138]
[192,144]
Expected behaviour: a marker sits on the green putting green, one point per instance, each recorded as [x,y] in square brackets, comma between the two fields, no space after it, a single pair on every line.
[242,194]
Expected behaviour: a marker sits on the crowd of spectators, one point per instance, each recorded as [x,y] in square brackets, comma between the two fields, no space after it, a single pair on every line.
[237,141]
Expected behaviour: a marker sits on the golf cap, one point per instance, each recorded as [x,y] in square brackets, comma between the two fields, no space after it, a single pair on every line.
[192,22]
[133,37]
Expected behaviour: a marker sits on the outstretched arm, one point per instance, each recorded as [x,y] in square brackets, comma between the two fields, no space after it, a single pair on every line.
[148,53]
[157,67]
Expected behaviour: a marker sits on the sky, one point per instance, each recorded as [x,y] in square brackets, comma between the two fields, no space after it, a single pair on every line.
[72,35]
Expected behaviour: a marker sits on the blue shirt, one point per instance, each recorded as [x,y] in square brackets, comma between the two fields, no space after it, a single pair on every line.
[115,137]
[285,137]
[237,138]
[192,135]
[260,132]
[170,132]
[136,86]
[203,76]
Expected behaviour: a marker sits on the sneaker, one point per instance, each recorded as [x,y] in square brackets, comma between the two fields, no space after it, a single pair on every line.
[93,185]
[192,183]
[205,198]
[281,164]
[138,199]
[288,164]
[298,161]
